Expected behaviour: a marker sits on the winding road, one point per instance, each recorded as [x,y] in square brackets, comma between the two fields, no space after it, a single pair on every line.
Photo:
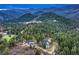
[53,48]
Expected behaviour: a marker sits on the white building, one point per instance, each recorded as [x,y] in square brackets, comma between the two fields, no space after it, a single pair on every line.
[30,43]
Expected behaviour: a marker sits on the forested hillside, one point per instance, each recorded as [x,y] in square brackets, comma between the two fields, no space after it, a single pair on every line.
[62,30]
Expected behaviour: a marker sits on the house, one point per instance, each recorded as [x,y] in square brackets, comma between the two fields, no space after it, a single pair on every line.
[30,43]
[46,42]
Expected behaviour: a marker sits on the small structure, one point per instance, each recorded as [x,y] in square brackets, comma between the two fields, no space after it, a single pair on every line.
[77,29]
[30,43]
[46,42]
[3,33]
[55,21]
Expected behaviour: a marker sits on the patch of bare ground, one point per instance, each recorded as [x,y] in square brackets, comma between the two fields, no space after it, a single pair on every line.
[19,49]
[53,48]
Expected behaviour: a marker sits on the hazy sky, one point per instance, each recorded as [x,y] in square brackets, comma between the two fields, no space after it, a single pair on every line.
[29,5]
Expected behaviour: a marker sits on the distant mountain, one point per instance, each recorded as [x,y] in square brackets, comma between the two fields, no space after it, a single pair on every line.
[12,14]
[73,13]
[69,11]
[22,14]
[26,17]
[47,16]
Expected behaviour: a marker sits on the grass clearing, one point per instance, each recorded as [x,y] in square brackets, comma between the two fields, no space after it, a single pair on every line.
[8,37]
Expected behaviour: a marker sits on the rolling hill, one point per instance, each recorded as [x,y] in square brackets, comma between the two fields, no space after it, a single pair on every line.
[68,11]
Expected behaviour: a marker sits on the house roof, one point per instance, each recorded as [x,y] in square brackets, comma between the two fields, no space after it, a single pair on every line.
[45,41]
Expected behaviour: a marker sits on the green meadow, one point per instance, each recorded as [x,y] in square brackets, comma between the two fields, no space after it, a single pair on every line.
[8,37]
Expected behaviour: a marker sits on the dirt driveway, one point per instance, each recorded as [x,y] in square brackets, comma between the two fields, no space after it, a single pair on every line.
[19,49]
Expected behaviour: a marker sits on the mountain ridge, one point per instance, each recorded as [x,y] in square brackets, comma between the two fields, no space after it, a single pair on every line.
[69,11]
